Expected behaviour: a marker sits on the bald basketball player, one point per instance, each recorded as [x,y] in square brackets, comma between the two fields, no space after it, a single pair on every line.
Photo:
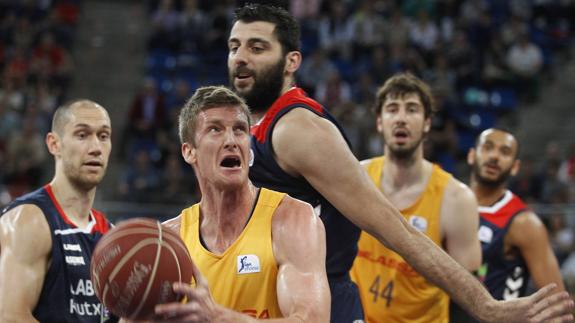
[47,236]
[257,253]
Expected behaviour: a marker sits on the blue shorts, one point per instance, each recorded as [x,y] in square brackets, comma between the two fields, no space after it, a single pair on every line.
[345,302]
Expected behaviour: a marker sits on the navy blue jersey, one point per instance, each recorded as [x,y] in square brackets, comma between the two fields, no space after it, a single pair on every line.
[341,234]
[505,278]
[67,294]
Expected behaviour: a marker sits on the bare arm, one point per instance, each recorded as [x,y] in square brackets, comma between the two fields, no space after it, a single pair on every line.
[459,223]
[302,289]
[312,147]
[529,235]
[299,248]
[26,246]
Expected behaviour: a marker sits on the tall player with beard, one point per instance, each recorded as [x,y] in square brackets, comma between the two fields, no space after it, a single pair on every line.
[300,149]
[47,236]
[429,199]
[514,241]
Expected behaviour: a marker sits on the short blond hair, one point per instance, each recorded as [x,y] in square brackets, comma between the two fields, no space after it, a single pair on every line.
[207,97]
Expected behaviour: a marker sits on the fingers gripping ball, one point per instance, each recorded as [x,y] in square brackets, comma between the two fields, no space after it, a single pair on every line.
[135,265]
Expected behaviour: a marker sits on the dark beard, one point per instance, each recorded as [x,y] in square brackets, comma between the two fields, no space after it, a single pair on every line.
[404,153]
[490,183]
[266,89]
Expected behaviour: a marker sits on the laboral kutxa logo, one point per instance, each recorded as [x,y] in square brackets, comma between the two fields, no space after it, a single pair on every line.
[248,264]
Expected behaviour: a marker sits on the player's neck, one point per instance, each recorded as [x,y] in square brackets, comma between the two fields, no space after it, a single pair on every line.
[75,203]
[404,172]
[224,215]
[486,195]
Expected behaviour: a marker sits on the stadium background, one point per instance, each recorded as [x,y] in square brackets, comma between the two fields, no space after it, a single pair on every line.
[489,62]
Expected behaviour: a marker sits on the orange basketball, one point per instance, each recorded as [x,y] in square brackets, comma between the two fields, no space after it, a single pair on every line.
[134,266]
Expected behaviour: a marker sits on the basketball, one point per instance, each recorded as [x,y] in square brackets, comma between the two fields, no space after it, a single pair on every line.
[134,266]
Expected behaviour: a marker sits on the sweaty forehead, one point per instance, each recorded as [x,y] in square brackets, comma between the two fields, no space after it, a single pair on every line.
[83,114]
[257,30]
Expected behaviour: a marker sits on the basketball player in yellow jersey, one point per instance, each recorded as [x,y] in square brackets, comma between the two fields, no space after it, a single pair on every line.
[430,199]
[258,253]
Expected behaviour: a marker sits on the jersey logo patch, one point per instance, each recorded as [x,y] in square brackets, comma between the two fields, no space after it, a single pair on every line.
[485,234]
[419,223]
[248,264]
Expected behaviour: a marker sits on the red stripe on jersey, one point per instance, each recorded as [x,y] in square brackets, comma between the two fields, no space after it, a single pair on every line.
[293,97]
[501,216]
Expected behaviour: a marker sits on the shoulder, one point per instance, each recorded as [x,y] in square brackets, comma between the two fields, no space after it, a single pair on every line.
[28,217]
[294,214]
[458,200]
[456,190]
[25,229]
[174,223]
[300,118]
[527,220]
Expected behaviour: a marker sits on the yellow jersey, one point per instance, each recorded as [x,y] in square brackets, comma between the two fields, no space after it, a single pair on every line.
[243,278]
[390,289]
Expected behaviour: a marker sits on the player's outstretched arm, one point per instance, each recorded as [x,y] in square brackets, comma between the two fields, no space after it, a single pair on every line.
[309,146]
[26,245]
[529,235]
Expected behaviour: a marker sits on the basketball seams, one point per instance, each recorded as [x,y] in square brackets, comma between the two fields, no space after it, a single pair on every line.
[133,281]
[152,277]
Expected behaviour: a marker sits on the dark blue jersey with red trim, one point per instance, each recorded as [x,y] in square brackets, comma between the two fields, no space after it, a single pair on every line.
[342,235]
[505,278]
[67,294]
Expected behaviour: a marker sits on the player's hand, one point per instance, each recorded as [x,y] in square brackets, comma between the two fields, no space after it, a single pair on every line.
[199,308]
[542,306]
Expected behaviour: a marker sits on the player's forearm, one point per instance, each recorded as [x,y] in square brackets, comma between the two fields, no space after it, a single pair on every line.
[438,267]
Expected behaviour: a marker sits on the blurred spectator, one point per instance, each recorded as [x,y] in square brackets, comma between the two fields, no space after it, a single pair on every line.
[553,190]
[462,60]
[561,236]
[567,172]
[525,60]
[335,31]
[164,24]
[333,92]
[50,62]
[140,181]
[315,70]
[146,118]
[11,96]
[177,186]
[528,183]
[424,33]
[27,156]
[305,9]
[367,29]
[398,30]
[192,25]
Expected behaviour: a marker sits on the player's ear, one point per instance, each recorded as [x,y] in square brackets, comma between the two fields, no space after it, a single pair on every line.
[515,168]
[53,143]
[379,124]
[293,61]
[189,153]
[471,156]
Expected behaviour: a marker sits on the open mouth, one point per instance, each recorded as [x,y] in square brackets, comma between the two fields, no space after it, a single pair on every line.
[93,164]
[231,162]
[243,73]
[401,133]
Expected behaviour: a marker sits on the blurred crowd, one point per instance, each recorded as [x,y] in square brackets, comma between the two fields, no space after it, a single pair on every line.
[483,58]
[36,68]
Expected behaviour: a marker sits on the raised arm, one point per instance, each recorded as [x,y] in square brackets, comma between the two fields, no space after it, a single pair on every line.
[528,234]
[459,223]
[26,245]
[299,247]
[323,158]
